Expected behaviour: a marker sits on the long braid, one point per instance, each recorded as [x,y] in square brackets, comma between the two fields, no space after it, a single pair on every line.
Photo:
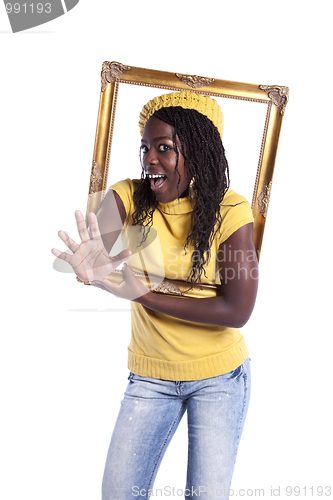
[206,163]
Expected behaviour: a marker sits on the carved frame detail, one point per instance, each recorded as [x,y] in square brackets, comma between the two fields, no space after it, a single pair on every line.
[96,178]
[112,72]
[193,81]
[278,95]
[263,199]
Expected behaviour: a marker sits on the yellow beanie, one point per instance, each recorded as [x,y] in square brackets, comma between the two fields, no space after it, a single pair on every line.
[185,99]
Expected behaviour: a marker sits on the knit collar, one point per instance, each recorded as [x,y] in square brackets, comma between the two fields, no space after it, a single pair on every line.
[179,206]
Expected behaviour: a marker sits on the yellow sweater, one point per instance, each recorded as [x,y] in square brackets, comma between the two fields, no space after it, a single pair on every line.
[162,346]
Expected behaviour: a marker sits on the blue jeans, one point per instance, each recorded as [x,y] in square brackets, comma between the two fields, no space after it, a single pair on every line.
[149,416]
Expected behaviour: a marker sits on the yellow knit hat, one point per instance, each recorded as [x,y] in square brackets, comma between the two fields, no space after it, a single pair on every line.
[185,99]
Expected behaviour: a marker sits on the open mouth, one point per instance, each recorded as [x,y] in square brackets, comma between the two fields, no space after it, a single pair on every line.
[156,180]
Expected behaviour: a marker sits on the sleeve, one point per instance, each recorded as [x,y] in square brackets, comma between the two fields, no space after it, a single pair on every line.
[125,190]
[235,212]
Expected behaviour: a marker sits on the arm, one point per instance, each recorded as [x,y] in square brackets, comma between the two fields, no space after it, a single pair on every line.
[239,275]
[111,217]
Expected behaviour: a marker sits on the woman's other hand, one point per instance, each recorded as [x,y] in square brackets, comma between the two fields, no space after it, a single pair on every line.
[131,288]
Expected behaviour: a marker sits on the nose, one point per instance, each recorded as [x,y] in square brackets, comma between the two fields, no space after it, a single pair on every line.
[151,157]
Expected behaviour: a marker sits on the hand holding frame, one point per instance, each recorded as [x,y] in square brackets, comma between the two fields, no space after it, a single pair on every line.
[90,260]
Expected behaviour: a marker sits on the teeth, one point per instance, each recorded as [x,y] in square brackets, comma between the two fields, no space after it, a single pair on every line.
[154,176]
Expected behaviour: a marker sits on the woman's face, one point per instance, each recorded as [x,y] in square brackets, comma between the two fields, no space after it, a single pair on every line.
[159,161]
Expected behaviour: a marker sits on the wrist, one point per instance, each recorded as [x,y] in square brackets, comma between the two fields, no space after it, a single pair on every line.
[144,299]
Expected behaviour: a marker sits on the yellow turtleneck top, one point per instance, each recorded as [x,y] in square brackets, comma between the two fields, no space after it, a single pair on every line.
[162,346]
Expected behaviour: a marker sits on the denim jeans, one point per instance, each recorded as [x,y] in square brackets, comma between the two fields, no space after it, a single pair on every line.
[149,415]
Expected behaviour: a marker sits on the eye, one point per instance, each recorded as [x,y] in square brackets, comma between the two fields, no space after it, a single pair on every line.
[164,147]
[143,149]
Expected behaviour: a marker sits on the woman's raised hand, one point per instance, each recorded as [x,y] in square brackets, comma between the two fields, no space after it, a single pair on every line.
[90,260]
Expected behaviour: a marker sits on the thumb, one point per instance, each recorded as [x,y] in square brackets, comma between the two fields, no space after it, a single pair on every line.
[130,277]
[128,273]
[122,256]
[127,270]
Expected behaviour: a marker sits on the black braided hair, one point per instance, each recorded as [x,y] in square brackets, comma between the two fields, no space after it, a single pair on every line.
[207,165]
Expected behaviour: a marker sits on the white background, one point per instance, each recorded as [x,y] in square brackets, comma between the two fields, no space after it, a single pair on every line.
[63,345]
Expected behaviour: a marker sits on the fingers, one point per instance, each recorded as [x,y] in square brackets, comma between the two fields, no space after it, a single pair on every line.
[68,241]
[82,227]
[131,288]
[106,285]
[61,255]
[93,226]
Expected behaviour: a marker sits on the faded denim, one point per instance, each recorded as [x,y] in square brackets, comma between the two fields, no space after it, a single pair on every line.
[149,416]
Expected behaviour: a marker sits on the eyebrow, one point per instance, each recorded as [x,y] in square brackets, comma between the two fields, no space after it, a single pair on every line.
[161,138]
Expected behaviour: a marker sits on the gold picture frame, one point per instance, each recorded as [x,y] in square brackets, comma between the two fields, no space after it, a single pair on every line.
[273,97]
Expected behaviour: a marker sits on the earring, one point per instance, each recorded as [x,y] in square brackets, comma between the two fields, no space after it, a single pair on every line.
[191,188]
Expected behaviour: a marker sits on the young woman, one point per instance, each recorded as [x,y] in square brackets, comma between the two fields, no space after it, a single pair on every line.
[186,353]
